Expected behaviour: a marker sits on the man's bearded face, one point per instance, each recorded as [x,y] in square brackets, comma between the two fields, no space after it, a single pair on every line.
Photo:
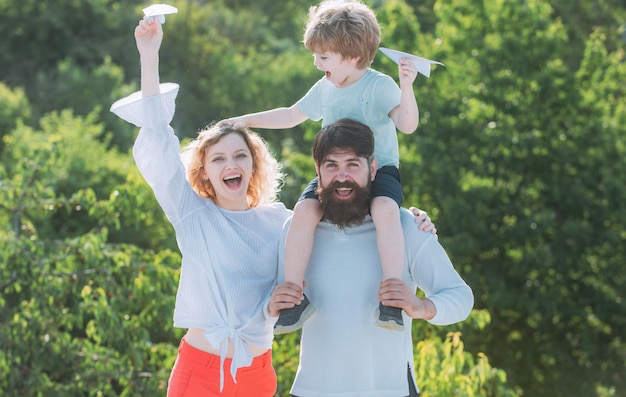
[345,212]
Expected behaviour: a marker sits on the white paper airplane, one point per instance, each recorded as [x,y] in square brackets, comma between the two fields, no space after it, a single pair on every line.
[159,11]
[422,64]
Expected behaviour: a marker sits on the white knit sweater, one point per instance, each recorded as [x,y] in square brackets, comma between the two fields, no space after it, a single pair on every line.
[229,258]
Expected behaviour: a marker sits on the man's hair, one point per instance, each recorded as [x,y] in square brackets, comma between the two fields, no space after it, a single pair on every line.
[345,27]
[344,134]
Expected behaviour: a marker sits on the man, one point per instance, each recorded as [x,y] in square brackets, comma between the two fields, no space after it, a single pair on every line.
[343,353]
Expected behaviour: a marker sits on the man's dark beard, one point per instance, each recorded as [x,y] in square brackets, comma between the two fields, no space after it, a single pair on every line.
[345,213]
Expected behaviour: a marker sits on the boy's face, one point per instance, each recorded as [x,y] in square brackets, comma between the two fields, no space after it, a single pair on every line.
[339,70]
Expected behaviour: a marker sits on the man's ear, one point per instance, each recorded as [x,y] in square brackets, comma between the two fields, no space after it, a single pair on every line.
[374,168]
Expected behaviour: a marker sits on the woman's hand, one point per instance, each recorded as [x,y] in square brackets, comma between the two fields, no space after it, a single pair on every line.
[148,35]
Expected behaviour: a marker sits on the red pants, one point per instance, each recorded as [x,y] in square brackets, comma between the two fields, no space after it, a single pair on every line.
[197,373]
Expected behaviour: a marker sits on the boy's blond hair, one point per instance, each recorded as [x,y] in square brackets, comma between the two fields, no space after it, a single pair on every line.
[348,28]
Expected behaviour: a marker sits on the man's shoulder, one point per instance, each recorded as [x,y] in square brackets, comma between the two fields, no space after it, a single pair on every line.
[406,215]
[410,227]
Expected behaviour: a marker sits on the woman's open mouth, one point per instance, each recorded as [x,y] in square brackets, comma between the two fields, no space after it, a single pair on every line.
[233,181]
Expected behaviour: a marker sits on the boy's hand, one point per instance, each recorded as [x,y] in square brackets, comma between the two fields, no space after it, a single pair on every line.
[236,122]
[407,72]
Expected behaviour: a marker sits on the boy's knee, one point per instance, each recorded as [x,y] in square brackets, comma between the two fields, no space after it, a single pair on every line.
[307,209]
[384,207]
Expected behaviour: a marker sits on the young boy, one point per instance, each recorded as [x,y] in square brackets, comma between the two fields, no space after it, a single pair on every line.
[344,37]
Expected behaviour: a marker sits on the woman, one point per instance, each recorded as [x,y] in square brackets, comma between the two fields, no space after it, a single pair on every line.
[221,203]
[227,226]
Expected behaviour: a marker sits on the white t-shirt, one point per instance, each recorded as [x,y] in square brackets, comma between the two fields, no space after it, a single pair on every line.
[343,352]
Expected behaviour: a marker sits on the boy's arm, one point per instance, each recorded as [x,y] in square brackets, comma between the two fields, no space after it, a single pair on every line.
[271,119]
[406,115]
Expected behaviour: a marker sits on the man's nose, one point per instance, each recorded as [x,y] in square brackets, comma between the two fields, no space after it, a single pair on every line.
[342,175]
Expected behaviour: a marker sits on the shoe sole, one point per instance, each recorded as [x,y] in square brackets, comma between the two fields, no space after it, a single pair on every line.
[285,329]
[389,324]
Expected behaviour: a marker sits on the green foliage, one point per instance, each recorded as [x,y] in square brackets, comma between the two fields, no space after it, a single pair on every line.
[14,108]
[285,354]
[582,17]
[37,35]
[445,369]
[63,180]
[84,91]
[46,166]
[81,314]
[524,163]
[84,317]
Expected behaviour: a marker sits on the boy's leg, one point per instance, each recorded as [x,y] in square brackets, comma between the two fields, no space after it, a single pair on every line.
[298,246]
[390,241]
[299,241]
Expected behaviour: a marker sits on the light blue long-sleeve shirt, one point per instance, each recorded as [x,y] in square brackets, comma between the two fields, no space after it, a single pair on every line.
[343,353]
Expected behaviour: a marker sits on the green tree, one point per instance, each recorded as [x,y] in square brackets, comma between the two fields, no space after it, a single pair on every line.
[580,18]
[517,161]
[79,313]
[14,108]
[37,35]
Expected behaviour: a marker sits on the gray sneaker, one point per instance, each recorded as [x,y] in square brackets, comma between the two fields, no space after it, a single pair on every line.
[389,317]
[292,319]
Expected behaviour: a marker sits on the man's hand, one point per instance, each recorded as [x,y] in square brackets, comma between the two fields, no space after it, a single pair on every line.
[421,216]
[395,292]
[284,296]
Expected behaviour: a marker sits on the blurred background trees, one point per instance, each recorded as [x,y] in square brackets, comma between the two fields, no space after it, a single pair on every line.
[519,159]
